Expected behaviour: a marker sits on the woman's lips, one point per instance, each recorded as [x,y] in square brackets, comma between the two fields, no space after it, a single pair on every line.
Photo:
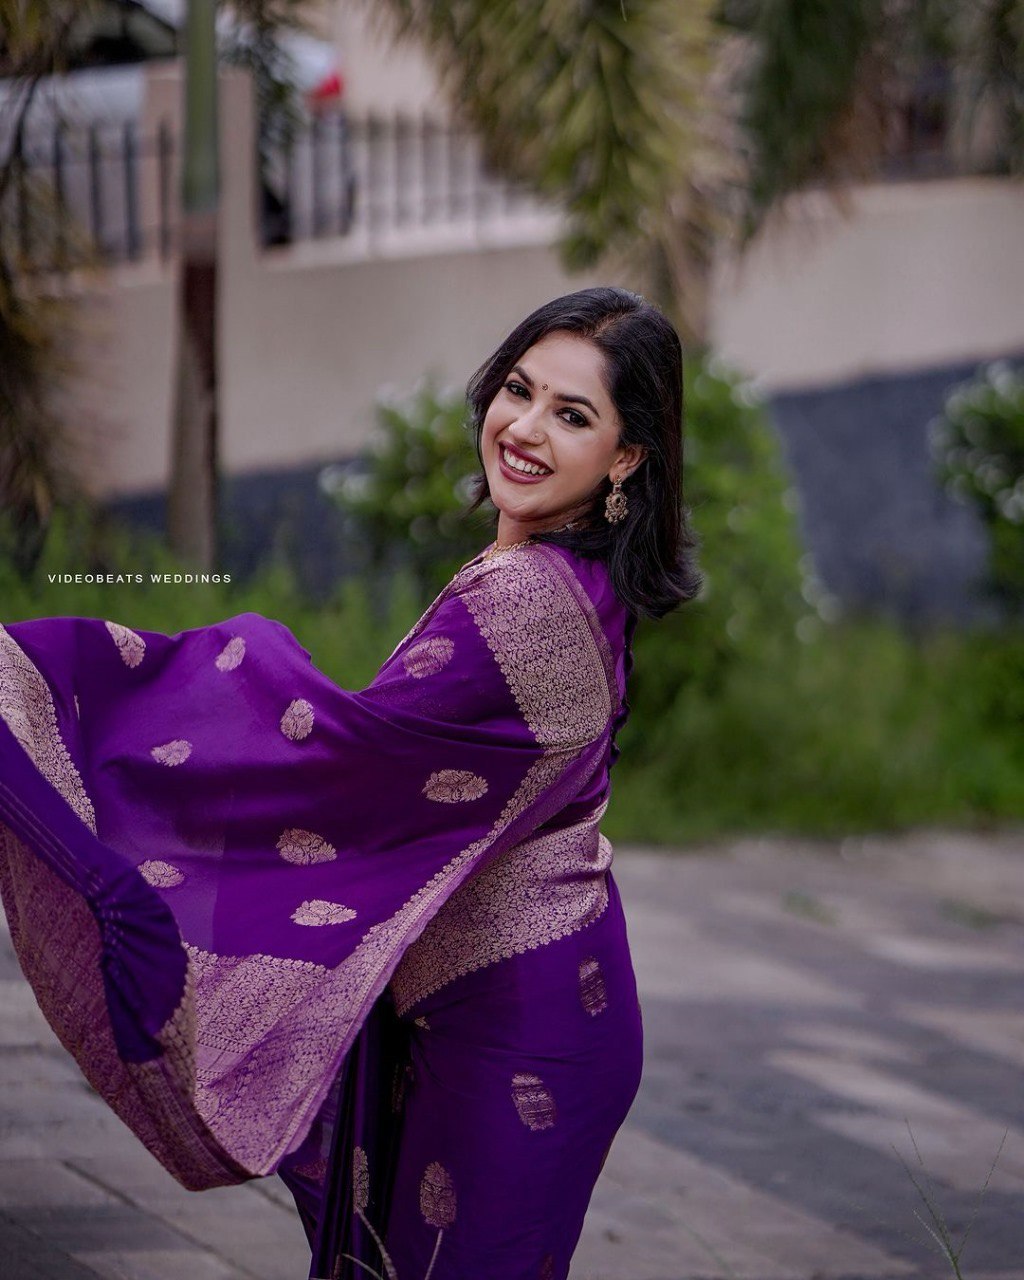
[523,477]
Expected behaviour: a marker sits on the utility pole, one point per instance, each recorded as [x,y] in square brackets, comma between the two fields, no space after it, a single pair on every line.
[192,500]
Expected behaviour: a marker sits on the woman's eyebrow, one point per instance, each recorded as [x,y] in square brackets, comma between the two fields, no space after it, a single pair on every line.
[559,395]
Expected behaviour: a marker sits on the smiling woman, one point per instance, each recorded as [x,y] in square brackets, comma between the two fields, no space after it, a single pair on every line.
[573,448]
[370,940]
[578,419]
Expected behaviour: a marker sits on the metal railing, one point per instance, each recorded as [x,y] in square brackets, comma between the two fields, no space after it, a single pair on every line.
[374,183]
[370,180]
[374,177]
[87,193]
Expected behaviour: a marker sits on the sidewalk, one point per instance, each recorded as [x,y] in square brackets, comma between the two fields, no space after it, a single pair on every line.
[802,1003]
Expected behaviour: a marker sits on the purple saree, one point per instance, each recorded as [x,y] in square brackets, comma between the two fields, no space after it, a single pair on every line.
[368,941]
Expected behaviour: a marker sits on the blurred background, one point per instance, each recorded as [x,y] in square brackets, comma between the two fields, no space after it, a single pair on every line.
[250,254]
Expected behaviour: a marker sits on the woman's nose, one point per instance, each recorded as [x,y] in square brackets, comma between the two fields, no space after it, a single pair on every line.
[528,423]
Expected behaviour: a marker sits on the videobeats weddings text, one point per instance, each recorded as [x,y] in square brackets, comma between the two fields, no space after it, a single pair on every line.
[121,579]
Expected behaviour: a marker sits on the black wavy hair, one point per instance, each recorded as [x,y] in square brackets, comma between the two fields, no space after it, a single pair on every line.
[651,553]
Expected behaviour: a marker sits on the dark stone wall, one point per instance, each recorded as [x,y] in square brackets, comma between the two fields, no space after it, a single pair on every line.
[883,533]
[262,514]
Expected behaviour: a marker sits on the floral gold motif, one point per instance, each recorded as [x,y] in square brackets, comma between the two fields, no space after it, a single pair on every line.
[163,875]
[304,848]
[172,753]
[360,1179]
[437,1205]
[130,645]
[360,1204]
[315,1169]
[437,1196]
[533,1101]
[316,911]
[428,657]
[297,721]
[449,786]
[231,655]
[593,994]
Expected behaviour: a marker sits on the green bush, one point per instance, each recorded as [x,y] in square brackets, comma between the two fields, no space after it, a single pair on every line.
[861,728]
[348,636]
[760,594]
[757,707]
[978,445]
[404,500]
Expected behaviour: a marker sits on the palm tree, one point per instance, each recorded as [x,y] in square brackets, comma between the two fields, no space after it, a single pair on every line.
[823,78]
[665,129]
[610,108]
[37,467]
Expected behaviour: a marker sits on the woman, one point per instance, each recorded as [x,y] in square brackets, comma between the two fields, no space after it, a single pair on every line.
[369,940]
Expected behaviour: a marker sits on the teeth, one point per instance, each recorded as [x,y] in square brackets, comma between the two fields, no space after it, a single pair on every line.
[518,464]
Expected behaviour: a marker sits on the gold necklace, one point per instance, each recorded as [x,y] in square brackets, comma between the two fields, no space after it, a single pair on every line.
[491,551]
[523,541]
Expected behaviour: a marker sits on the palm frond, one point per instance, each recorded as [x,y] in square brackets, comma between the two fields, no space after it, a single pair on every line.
[597,106]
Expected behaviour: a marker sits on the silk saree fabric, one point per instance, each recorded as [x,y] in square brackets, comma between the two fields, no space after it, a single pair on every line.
[245,898]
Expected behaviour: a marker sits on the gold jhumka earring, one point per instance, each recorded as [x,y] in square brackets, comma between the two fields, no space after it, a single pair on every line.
[615,505]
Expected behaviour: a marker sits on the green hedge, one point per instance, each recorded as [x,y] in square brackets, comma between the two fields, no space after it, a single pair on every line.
[758,707]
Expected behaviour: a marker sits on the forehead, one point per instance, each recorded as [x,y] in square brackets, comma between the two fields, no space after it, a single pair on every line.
[568,364]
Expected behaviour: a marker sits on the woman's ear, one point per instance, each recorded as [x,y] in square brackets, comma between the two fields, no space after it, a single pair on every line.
[631,456]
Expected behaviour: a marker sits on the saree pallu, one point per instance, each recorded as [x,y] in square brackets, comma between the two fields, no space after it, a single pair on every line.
[367,940]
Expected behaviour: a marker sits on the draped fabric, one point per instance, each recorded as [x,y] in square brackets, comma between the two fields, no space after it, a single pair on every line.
[227,878]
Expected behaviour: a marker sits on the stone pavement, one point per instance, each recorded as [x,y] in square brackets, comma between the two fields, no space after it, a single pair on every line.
[812,1011]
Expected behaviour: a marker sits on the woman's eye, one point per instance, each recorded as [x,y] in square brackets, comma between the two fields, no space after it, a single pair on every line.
[571,416]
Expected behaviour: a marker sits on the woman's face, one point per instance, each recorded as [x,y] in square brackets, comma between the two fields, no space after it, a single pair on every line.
[555,409]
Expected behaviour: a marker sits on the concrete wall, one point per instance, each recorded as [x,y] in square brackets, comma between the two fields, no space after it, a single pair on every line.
[308,335]
[380,74]
[923,275]
[918,275]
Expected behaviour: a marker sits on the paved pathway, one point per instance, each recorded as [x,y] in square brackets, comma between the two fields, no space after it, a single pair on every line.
[811,1012]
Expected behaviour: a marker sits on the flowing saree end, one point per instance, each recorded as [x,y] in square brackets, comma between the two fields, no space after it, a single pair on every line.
[86,971]
[213,858]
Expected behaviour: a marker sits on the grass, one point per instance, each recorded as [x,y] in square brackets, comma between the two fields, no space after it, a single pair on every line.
[938,1228]
[863,728]
[866,729]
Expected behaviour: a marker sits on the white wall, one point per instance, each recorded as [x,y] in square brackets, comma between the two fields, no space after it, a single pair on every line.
[919,274]
[308,338]
[381,75]
[925,273]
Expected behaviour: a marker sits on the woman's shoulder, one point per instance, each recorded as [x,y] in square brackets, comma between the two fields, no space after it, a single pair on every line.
[543,595]
[543,615]
[537,565]
[549,576]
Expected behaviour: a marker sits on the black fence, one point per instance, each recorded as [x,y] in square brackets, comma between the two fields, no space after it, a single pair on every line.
[90,192]
[370,179]
[108,193]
